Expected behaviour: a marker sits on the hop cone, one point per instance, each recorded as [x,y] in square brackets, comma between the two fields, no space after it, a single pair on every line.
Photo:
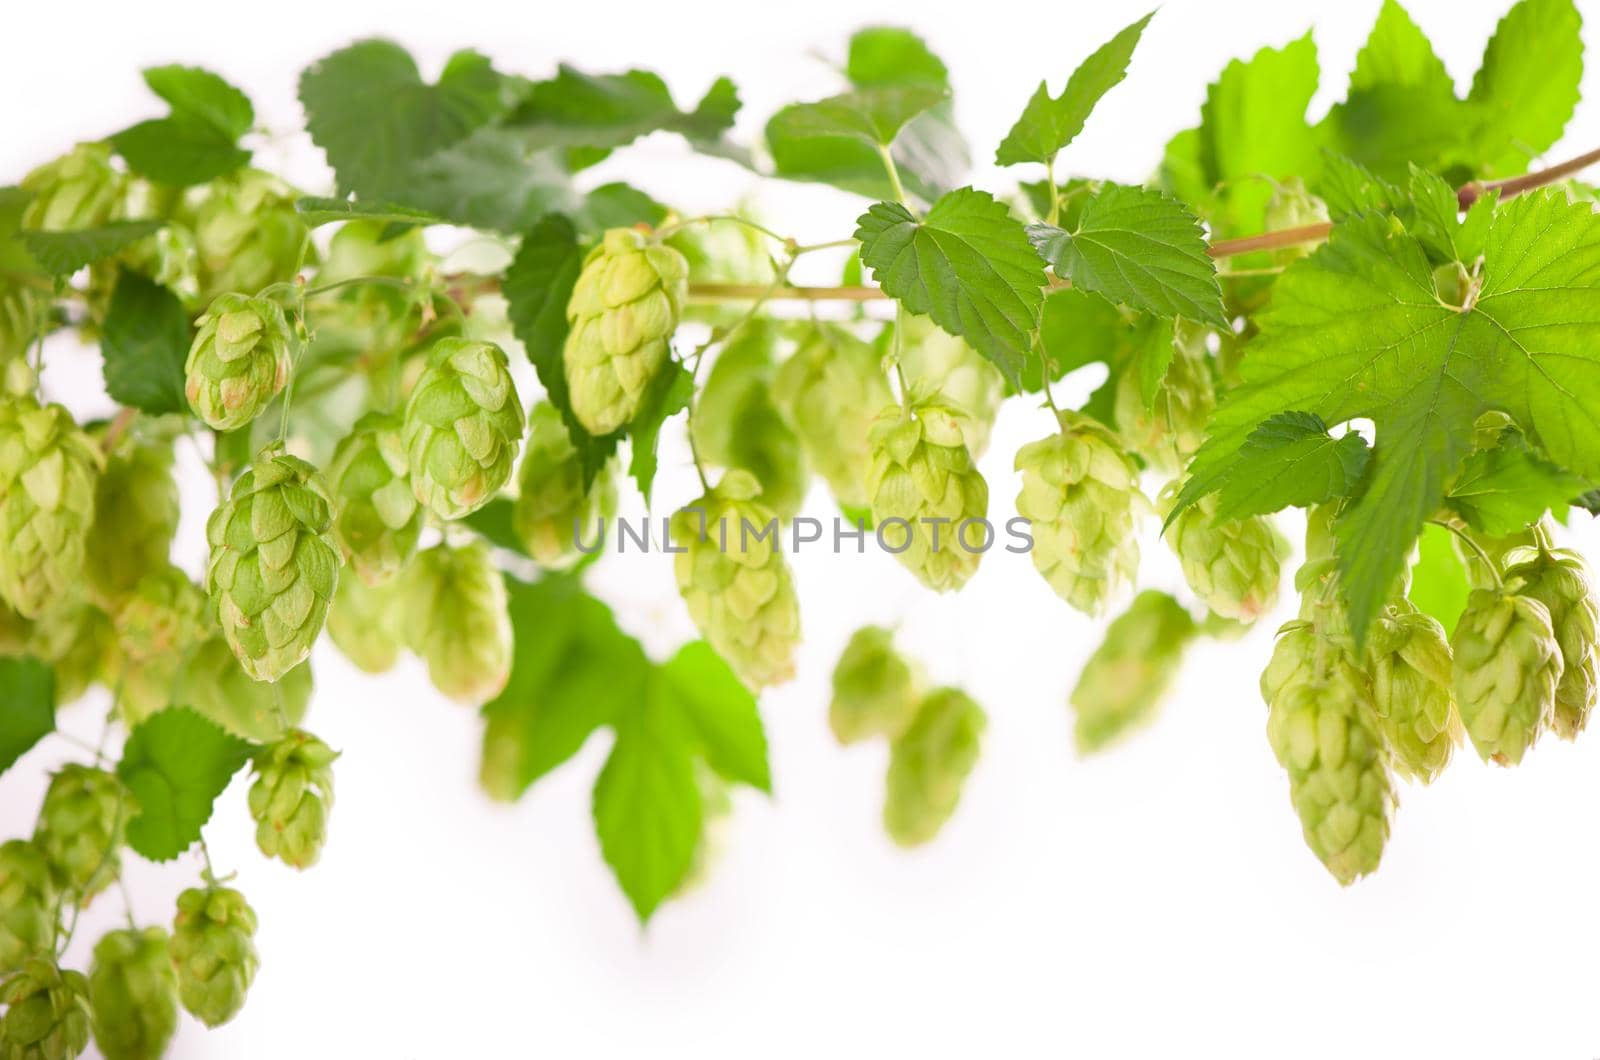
[1559,580]
[924,489]
[20,310]
[133,994]
[238,362]
[1507,668]
[27,904]
[721,251]
[1168,430]
[273,564]
[80,829]
[377,518]
[135,518]
[737,423]
[80,189]
[1081,495]
[1126,678]
[1233,566]
[47,1012]
[623,311]
[734,579]
[214,952]
[1291,206]
[1339,784]
[291,796]
[161,620]
[454,616]
[1408,658]
[78,640]
[214,684]
[48,469]
[941,369]
[874,688]
[928,764]
[1299,657]
[553,512]
[246,231]
[364,623]
[831,389]
[462,425]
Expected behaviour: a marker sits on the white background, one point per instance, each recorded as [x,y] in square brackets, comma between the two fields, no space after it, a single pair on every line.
[1154,901]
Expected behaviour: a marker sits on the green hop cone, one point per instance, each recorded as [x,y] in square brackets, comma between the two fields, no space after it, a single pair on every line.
[213,683]
[718,250]
[929,763]
[47,1012]
[78,640]
[1167,430]
[737,423]
[735,581]
[461,427]
[79,190]
[291,797]
[27,904]
[274,564]
[133,994]
[553,512]
[21,314]
[621,316]
[941,369]
[80,829]
[157,625]
[1507,668]
[1080,494]
[1234,567]
[874,688]
[377,519]
[1559,579]
[214,952]
[135,519]
[1408,658]
[831,389]
[247,234]
[48,468]
[364,623]
[1126,678]
[925,491]
[453,608]
[238,362]
[1291,206]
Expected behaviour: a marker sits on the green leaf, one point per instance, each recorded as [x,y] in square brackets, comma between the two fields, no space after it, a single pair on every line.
[1049,124]
[1501,491]
[618,205]
[493,523]
[1290,461]
[1526,89]
[1138,247]
[14,256]
[669,395]
[495,178]
[968,265]
[176,763]
[1439,578]
[721,712]
[145,342]
[315,211]
[873,116]
[887,55]
[64,253]
[204,96]
[198,141]
[1077,328]
[28,714]
[575,109]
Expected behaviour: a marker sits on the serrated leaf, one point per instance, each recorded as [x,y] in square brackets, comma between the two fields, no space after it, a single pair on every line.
[575,109]
[1290,461]
[1049,124]
[64,253]
[494,178]
[14,256]
[315,211]
[1501,491]
[669,395]
[888,55]
[874,116]
[198,141]
[1077,328]
[145,342]
[1438,578]
[618,205]
[721,712]
[176,763]
[203,95]
[28,714]
[968,265]
[1140,248]
[1525,92]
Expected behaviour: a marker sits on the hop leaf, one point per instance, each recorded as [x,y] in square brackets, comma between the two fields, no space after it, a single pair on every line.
[48,469]
[1126,678]
[874,688]
[377,519]
[461,427]
[929,764]
[553,509]
[214,952]
[133,994]
[1507,667]
[291,796]
[454,617]
[47,1012]
[1559,579]
[239,360]
[27,904]
[80,829]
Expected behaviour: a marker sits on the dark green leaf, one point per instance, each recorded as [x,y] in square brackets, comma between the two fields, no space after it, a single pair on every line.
[27,706]
[1500,491]
[64,253]
[1077,328]
[493,523]
[145,341]
[204,96]
[176,763]
[619,205]
[1290,461]
[669,395]
[575,109]
[180,150]
[495,178]
[874,116]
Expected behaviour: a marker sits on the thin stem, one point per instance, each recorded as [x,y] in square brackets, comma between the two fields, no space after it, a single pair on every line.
[1054,216]
[119,426]
[899,350]
[667,231]
[1472,192]
[1282,237]
[1483,557]
[377,281]
[82,744]
[741,292]
[894,176]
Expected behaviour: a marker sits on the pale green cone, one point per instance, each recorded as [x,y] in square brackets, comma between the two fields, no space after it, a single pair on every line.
[940,369]
[213,683]
[1129,674]
[831,390]
[80,829]
[1167,431]
[1507,665]
[722,251]
[453,608]
[1408,658]
[1496,549]
[364,623]
[168,257]
[621,316]
[246,231]
[732,575]
[76,191]
[238,362]
[737,424]
[553,512]
[461,427]
[928,499]
[21,313]
[133,994]
[274,564]
[1291,206]
[377,318]
[46,1012]
[213,952]
[1080,493]
[1234,567]
[48,468]
[1559,579]
[159,623]
[929,764]
[27,904]
[135,518]
[291,796]
[874,688]
[78,640]
[376,517]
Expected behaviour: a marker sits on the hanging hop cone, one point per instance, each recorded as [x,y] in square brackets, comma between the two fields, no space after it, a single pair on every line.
[238,362]
[78,640]
[214,952]
[78,190]
[1234,567]
[27,904]
[80,829]
[364,623]
[874,688]
[1129,674]
[1408,658]
[291,797]
[1507,668]
[135,518]
[733,577]
[929,763]
[133,994]
[941,369]
[274,564]
[453,607]
[247,234]
[621,316]
[1559,579]
[47,1012]
[213,683]
[461,428]
[377,518]
[831,389]
[553,512]
[48,469]
[1166,430]
[1080,493]
[157,625]
[925,491]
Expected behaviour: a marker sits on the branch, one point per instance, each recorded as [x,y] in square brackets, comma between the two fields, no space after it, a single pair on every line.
[1475,190]
[1282,237]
